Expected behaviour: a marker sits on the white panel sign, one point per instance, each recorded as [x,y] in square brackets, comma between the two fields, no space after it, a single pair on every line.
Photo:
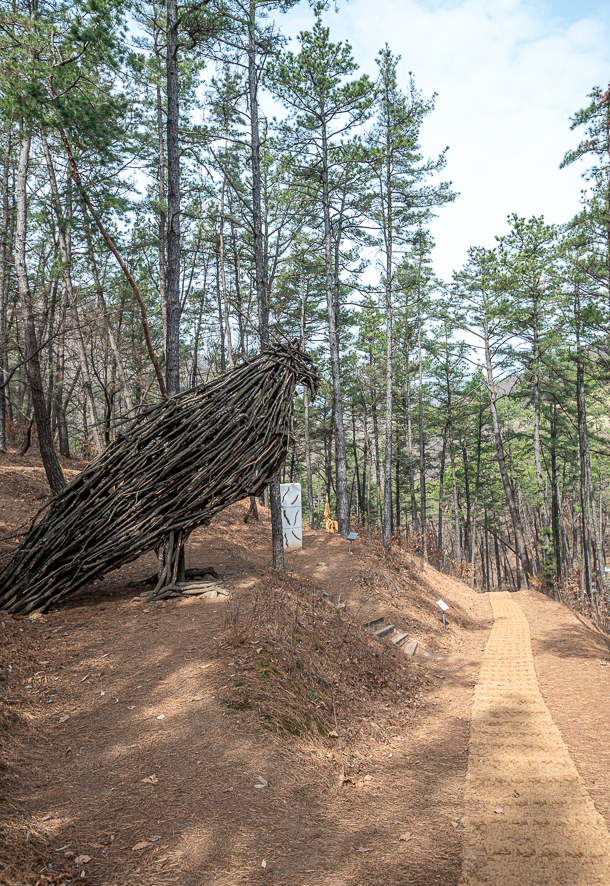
[292,516]
[442,605]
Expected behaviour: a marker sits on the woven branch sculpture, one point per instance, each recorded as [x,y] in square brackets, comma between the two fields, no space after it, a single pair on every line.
[174,467]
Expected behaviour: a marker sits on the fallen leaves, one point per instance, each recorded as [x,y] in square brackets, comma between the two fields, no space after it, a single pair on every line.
[499,810]
[362,849]
[82,859]
[263,783]
[64,718]
[345,779]
[150,779]
[404,837]
[333,734]
[143,845]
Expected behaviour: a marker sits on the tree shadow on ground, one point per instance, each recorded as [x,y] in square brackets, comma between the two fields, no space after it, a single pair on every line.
[211,824]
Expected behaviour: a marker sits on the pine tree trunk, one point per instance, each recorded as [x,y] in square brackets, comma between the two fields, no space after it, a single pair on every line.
[583,485]
[422,449]
[468,529]
[172,345]
[441,494]
[489,567]
[396,524]
[508,491]
[221,257]
[43,426]
[537,454]
[58,385]
[387,490]
[555,510]
[377,459]
[476,500]
[277,534]
[409,435]
[496,547]
[162,216]
[456,507]
[335,364]
[356,462]
[310,505]
[366,480]
[4,286]
[591,491]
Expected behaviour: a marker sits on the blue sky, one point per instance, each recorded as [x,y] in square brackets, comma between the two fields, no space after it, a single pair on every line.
[508,74]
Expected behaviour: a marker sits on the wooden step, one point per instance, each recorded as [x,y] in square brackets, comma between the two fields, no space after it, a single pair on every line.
[384,631]
[375,621]
[400,639]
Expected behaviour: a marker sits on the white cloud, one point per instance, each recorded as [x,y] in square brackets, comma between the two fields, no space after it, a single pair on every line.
[508,74]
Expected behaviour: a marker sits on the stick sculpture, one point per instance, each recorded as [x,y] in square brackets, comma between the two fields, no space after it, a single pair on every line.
[173,468]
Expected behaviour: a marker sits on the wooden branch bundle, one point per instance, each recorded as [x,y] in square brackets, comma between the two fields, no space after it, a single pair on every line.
[172,469]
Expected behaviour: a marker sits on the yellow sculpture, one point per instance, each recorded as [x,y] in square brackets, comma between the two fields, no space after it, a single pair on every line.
[331,525]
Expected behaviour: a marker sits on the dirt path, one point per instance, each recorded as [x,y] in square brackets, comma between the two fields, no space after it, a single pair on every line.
[530,819]
[133,755]
[135,769]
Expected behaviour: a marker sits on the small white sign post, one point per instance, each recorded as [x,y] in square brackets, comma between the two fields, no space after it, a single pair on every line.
[292,516]
[443,606]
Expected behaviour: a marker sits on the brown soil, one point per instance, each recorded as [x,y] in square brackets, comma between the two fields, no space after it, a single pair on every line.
[251,687]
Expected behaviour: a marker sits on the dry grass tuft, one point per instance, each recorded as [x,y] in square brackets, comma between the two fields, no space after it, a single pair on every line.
[305,669]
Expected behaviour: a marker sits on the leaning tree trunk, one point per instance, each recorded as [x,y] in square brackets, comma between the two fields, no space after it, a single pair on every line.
[67,277]
[43,425]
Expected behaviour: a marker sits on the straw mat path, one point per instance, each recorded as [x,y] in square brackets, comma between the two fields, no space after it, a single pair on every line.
[529,819]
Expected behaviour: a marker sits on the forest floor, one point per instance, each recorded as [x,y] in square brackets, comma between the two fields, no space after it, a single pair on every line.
[265,737]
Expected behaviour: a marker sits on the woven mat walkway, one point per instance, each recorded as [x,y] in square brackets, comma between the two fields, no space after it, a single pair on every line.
[529,819]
